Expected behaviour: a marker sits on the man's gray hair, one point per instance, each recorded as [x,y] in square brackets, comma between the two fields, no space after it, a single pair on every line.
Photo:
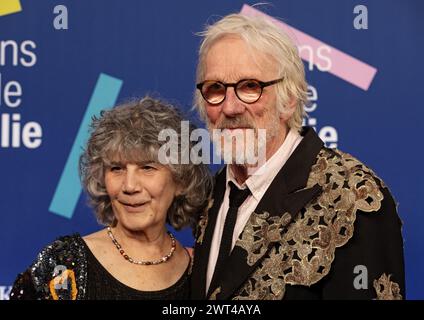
[262,35]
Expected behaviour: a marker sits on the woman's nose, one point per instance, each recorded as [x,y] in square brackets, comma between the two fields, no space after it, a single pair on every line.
[131,183]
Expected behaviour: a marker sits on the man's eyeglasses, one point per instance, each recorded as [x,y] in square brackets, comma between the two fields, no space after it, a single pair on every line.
[247,90]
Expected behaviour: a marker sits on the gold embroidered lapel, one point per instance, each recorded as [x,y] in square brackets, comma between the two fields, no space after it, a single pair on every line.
[304,253]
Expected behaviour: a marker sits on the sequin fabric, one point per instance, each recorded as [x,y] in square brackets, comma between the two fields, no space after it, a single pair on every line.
[68,270]
[42,280]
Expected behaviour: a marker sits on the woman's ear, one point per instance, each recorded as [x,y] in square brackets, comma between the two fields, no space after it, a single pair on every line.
[178,191]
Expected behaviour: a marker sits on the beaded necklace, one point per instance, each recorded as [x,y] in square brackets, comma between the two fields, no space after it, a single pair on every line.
[141,262]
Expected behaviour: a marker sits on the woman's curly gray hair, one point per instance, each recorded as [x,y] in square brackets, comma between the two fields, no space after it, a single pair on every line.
[129,133]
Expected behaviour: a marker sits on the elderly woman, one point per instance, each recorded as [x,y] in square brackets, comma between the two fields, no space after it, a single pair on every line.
[134,193]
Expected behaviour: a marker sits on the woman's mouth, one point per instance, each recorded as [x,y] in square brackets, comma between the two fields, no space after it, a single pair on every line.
[134,207]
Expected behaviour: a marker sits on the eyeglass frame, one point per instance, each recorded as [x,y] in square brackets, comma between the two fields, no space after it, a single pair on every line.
[262,85]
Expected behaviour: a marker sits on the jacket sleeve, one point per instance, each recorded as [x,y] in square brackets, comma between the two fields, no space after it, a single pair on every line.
[371,264]
[23,288]
[39,280]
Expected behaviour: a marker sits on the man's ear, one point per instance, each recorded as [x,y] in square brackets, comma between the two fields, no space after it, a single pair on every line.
[289,109]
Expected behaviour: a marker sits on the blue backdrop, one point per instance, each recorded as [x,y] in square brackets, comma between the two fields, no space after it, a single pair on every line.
[53,79]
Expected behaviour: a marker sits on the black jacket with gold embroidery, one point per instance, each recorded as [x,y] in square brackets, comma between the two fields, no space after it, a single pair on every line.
[326,228]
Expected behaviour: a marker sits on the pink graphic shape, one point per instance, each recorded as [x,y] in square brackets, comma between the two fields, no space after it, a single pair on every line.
[343,65]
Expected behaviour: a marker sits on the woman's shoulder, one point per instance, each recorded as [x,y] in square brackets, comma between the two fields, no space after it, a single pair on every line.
[63,259]
[95,239]
[63,251]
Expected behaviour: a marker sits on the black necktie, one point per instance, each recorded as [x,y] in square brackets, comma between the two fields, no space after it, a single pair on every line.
[237,197]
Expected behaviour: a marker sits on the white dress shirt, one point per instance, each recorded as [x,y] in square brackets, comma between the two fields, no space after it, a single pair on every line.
[257,184]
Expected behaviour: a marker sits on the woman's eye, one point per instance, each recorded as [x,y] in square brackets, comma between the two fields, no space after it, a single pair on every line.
[147,167]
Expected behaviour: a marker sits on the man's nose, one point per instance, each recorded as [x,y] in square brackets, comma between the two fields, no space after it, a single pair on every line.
[232,106]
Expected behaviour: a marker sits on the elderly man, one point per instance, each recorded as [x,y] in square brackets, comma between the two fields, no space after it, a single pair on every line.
[315,223]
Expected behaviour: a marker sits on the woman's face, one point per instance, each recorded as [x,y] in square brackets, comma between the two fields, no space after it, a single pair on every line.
[140,194]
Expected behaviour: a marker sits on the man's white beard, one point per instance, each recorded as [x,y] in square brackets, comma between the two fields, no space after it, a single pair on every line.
[245,147]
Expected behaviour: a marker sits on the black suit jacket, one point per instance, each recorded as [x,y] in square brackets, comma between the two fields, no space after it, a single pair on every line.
[326,228]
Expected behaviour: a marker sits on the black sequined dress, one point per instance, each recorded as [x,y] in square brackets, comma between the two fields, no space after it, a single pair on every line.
[68,270]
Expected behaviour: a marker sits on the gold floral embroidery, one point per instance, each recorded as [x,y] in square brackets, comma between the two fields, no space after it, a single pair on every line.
[386,289]
[63,278]
[203,222]
[304,253]
[267,285]
[259,233]
[215,293]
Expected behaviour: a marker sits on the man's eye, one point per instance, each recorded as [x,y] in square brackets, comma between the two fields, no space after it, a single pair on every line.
[115,168]
[251,85]
[215,86]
